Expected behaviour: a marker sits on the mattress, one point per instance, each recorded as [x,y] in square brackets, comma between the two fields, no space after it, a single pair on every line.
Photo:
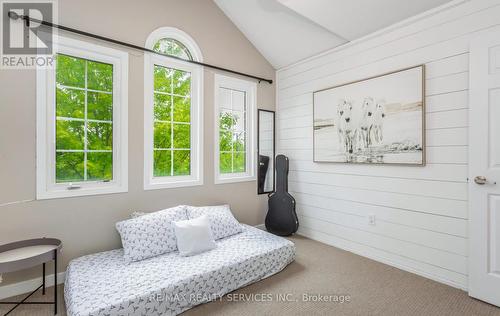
[104,284]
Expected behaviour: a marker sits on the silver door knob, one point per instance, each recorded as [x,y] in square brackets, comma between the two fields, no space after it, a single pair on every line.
[480,180]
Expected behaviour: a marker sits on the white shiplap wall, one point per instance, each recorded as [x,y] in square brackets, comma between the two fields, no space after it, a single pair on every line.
[421,212]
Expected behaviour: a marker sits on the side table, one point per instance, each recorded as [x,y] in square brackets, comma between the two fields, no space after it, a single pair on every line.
[26,254]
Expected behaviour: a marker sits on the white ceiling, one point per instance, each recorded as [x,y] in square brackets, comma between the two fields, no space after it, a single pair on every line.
[281,35]
[286,31]
[356,18]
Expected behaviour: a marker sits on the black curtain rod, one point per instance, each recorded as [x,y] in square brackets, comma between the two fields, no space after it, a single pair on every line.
[27,18]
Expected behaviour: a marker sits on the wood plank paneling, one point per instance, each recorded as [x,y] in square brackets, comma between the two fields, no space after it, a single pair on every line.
[421,212]
[446,260]
[427,270]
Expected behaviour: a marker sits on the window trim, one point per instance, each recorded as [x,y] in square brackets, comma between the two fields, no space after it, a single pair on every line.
[250,89]
[196,177]
[46,186]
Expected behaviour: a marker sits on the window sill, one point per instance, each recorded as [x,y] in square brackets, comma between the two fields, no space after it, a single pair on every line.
[152,185]
[65,193]
[234,179]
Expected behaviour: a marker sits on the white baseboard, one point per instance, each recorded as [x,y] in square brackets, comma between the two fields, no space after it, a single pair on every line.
[261,226]
[29,285]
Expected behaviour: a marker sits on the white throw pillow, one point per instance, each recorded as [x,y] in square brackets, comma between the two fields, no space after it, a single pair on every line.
[150,235]
[194,236]
[222,221]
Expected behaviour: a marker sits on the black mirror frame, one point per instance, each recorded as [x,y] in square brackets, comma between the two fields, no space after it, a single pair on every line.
[274,150]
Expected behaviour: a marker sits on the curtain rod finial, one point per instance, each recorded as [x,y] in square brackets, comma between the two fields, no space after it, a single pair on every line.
[13,15]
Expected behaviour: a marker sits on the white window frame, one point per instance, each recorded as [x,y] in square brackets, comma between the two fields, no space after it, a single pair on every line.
[47,188]
[250,89]
[196,159]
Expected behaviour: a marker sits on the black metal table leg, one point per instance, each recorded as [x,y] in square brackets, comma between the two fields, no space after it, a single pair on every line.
[55,282]
[43,280]
[19,303]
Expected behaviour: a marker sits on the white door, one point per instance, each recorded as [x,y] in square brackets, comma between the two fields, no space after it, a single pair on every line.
[484,168]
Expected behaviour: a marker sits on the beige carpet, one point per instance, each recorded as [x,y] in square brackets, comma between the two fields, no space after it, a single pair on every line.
[374,289]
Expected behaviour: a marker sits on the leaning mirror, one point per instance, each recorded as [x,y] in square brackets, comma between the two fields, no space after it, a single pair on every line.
[265,143]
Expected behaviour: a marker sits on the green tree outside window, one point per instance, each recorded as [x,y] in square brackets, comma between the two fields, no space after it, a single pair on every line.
[172,122]
[84,120]
[232,125]
[170,46]
[172,114]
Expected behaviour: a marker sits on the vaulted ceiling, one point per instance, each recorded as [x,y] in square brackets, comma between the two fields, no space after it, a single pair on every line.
[287,31]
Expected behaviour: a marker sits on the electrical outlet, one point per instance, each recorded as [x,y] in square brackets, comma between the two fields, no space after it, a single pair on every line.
[371,219]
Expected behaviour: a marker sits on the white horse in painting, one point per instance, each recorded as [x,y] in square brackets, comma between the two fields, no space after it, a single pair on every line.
[345,125]
[360,127]
[366,122]
[377,129]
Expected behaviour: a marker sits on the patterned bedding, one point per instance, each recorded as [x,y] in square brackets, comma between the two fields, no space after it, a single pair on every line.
[103,284]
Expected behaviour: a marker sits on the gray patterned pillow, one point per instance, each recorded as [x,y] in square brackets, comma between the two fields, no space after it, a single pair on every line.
[150,235]
[137,214]
[222,221]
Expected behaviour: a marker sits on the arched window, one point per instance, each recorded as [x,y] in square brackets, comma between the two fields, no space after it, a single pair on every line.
[172,47]
[172,41]
[172,111]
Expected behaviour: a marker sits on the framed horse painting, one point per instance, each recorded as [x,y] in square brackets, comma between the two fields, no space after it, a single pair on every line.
[378,120]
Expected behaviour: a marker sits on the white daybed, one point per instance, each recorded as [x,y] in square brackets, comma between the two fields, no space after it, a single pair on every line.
[103,284]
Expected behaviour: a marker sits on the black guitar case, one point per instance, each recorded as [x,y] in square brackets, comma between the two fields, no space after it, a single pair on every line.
[281,218]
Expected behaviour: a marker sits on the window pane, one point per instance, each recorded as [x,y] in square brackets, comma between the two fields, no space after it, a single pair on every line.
[172,105]
[182,162]
[227,120]
[70,102]
[99,76]
[99,106]
[163,79]
[100,166]
[225,98]
[239,141]
[233,130]
[162,163]
[162,137]
[239,121]
[99,136]
[182,137]
[70,135]
[172,47]
[239,162]
[225,141]
[225,163]
[162,107]
[70,71]
[238,100]
[182,82]
[182,109]
[69,167]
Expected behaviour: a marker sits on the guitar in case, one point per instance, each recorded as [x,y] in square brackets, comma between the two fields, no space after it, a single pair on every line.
[281,218]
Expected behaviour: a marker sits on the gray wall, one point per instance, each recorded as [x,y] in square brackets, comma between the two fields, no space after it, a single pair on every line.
[86,224]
